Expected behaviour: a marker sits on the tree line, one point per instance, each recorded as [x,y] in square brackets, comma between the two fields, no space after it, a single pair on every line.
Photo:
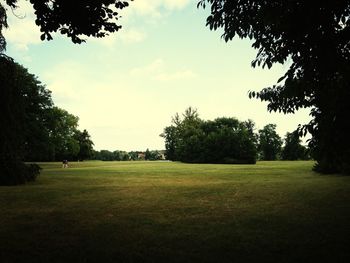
[106,155]
[35,129]
[227,140]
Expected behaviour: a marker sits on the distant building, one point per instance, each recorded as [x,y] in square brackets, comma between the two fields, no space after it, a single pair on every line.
[162,154]
[141,156]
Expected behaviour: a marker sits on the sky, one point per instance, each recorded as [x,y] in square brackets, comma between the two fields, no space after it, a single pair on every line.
[126,87]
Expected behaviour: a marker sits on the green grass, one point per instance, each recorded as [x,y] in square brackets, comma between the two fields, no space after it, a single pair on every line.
[174,212]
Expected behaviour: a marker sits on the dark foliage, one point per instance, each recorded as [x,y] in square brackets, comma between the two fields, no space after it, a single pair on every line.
[224,140]
[152,155]
[36,102]
[96,18]
[293,150]
[85,144]
[12,129]
[105,155]
[315,38]
[270,143]
[3,24]
[32,128]
[15,171]
[26,122]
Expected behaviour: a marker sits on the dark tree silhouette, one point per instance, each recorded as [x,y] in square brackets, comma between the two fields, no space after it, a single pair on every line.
[74,19]
[12,119]
[269,143]
[293,150]
[3,24]
[315,38]
[32,128]
[85,144]
[224,140]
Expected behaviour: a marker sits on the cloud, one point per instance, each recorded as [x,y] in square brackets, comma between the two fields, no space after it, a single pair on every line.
[125,36]
[154,67]
[64,81]
[132,36]
[22,30]
[157,70]
[154,8]
[117,116]
[176,4]
[183,74]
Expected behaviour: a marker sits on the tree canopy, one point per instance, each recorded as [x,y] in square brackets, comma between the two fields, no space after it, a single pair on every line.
[33,128]
[13,127]
[25,132]
[315,38]
[224,140]
[270,143]
[96,18]
[293,150]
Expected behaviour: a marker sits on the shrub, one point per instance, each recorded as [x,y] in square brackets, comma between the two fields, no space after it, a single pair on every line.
[14,172]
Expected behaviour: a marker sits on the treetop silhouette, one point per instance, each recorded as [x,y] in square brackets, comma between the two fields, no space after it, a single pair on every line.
[315,38]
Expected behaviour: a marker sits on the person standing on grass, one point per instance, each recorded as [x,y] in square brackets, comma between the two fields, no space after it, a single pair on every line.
[65,164]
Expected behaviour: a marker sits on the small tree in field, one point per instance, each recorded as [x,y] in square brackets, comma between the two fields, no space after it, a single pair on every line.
[293,150]
[269,143]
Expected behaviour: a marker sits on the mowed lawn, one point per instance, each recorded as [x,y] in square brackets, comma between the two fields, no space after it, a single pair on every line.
[174,212]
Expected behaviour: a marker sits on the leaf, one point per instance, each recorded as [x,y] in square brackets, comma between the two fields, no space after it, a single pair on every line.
[64,31]
[281,78]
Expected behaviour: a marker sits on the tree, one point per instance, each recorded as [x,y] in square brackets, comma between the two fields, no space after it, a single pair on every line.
[62,127]
[169,136]
[250,126]
[3,24]
[50,133]
[13,129]
[293,150]
[85,144]
[33,129]
[224,140]
[133,155]
[189,135]
[148,155]
[152,155]
[314,38]
[106,155]
[269,142]
[74,19]
[37,102]
[96,18]
[125,156]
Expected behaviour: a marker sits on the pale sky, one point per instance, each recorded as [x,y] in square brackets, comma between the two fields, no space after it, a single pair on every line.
[125,88]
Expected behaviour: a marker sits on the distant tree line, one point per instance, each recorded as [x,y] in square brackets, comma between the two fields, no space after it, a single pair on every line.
[34,129]
[227,140]
[105,155]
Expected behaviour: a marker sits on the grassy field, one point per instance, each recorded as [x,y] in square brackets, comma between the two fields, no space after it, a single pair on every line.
[174,212]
